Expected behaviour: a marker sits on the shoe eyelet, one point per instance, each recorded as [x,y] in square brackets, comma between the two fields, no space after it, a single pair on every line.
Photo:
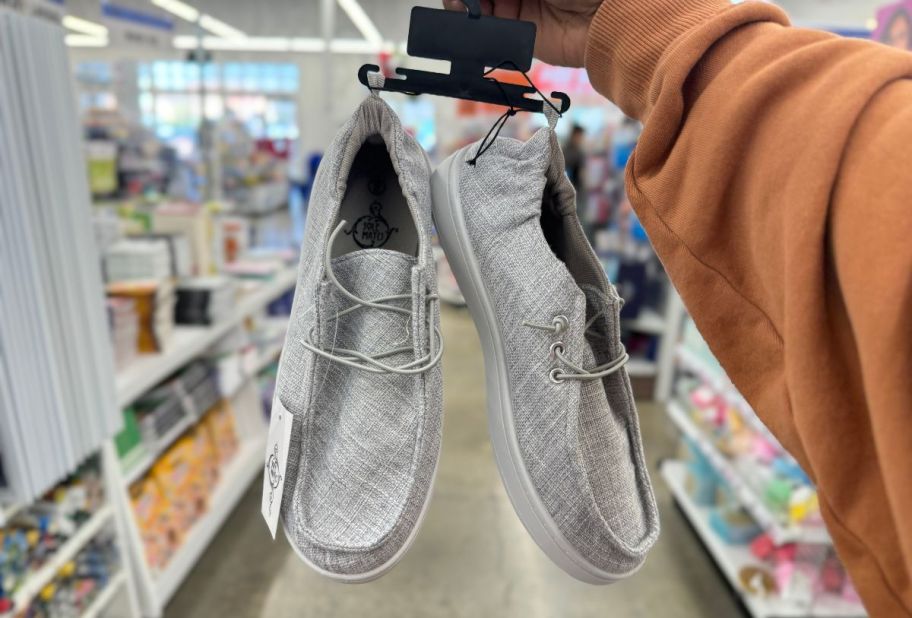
[556,347]
[555,376]
[561,324]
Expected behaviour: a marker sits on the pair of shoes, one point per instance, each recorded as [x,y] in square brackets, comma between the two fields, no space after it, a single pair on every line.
[360,374]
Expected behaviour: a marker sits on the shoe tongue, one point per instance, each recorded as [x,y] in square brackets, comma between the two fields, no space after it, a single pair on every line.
[369,274]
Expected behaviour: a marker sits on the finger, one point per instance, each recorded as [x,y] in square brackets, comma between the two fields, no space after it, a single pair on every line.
[487,6]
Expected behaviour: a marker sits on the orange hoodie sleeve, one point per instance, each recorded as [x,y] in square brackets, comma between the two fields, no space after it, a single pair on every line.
[774,177]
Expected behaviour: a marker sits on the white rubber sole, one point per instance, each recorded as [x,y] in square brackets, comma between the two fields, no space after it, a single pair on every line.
[386,567]
[449,219]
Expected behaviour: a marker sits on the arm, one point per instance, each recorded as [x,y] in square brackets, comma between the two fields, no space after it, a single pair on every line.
[774,179]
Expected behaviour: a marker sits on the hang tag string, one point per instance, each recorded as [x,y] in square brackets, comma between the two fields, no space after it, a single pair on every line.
[499,124]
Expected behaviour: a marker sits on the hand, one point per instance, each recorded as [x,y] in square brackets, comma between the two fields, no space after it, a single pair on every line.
[563,25]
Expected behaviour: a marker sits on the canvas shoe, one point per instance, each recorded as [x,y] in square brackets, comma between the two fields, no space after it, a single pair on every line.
[560,407]
[360,371]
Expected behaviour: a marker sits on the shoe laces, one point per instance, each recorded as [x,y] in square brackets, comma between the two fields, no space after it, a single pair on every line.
[572,371]
[373,363]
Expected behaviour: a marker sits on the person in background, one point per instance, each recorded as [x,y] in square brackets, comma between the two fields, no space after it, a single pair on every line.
[575,163]
[774,179]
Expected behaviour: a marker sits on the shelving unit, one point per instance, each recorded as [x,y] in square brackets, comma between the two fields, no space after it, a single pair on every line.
[233,483]
[155,588]
[43,576]
[732,558]
[779,532]
[723,386]
[103,600]
[189,342]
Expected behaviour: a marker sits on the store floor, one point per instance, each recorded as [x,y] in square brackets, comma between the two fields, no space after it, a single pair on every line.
[472,557]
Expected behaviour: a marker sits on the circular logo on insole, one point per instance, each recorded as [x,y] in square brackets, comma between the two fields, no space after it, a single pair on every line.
[372,231]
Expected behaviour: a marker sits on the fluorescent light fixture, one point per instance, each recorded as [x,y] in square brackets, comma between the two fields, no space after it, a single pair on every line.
[84,26]
[255,44]
[220,28]
[362,22]
[85,40]
[308,45]
[301,45]
[353,46]
[872,23]
[181,9]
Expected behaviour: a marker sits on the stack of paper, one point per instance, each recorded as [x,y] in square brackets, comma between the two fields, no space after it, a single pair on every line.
[205,301]
[154,301]
[57,397]
[132,259]
[123,322]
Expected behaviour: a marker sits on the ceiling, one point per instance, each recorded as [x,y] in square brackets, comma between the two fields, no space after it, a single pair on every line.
[301,18]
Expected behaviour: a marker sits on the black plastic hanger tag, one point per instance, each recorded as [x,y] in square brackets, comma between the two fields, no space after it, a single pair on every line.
[473,44]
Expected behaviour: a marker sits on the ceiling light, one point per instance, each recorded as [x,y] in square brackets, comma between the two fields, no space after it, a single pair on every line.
[362,22]
[84,40]
[353,46]
[176,7]
[220,28]
[308,45]
[84,26]
[257,44]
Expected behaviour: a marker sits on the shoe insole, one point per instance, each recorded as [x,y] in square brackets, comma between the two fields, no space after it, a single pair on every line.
[375,210]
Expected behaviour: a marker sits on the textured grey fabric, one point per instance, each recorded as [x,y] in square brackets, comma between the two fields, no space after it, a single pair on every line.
[364,446]
[580,441]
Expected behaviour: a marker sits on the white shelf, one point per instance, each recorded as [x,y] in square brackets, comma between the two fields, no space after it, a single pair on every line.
[732,558]
[8,511]
[640,368]
[43,576]
[267,357]
[101,602]
[135,471]
[189,342]
[649,322]
[234,480]
[779,532]
[720,383]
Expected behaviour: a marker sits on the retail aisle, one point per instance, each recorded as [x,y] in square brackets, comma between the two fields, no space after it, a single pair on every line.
[472,556]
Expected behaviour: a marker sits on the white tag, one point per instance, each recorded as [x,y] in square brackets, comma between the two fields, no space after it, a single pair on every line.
[276,461]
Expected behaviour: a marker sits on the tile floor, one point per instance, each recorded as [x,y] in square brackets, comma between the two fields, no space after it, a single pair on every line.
[472,557]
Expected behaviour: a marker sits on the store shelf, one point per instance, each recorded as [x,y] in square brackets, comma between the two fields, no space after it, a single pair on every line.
[732,558]
[641,368]
[101,602]
[234,480]
[778,531]
[8,511]
[189,342]
[43,576]
[649,322]
[720,383]
[269,356]
[135,471]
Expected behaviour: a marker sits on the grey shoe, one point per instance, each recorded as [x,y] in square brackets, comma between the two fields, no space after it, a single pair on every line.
[560,407]
[360,370]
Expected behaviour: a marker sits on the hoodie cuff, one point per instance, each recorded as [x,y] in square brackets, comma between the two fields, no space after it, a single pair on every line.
[628,38]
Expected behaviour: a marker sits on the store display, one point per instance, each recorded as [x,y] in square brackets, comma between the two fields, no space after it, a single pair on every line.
[123,324]
[78,583]
[153,304]
[741,489]
[367,250]
[174,495]
[130,260]
[56,353]
[205,300]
